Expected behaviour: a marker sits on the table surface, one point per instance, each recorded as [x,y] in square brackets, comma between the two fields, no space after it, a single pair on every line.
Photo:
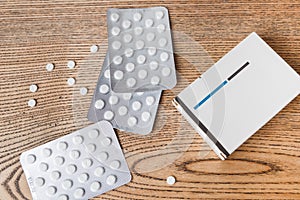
[34,33]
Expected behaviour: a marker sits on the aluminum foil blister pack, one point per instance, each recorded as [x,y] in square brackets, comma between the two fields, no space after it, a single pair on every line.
[132,112]
[140,50]
[81,165]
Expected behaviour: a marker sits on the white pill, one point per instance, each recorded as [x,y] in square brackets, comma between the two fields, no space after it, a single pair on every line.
[51,191]
[150,100]
[33,88]
[99,104]
[106,142]
[161,28]
[150,37]
[146,116]
[108,115]
[31,103]
[127,96]
[115,31]
[43,166]
[155,80]
[151,51]
[118,75]
[166,71]
[93,133]
[63,197]
[62,146]
[91,148]
[71,64]
[67,184]
[171,180]
[71,169]
[39,182]
[137,17]
[132,121]
[94,48]
[102,156]
[84,177]
[114,17]
[74,154]
[107,73]
[159,14]
[115,164]
[95,186]
[129,67]
[162,42]
[116,45]
[142,74]
[164,56]
[49,67]
[122,110]
[117,60]
[104,89]
[99,171]
[127,38]
[128,52]
[83,91]
[59,160]
[141,59]
[138,30]
[113,100]
[71,81]
[79,193]
[55,175]
[139,44]
[111,179]
[149,23]
[136,105]
[47,152]
[78,139]
[131,82]
[126,24]
[153,65]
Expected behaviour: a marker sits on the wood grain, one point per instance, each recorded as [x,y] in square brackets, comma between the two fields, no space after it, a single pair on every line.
[34,33]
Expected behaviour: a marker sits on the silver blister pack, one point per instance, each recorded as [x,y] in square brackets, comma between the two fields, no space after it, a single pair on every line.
[81,165]
[132,112]
[140,50]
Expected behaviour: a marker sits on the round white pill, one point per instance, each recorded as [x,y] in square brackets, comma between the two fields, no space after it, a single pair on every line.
[113,100]
[132,121]
[106,142]
[115,164]
[33,88]
[43,167]
[131,82]
[146,116]
[128,52]
[93,133]
[91,148]
[164,56]
[79,193]
[115,31]
[62,146]
[150,37]
[67,184]
[142,74]
[138,30]
[74,154]
[49,67]
[104,89]
[153,65]
[111,179]
[78,139]
[127,96]
[99,171]
[149,23]
[151,51]
[59,160]
[162,42]
[31,103]
[118,75]
[127,38]
[108,115]
[139,44]
[71,64]
[51,190]
[71,81]
[155,80]
[102,156]
[171,180]
[63,197]
[84,177]
[126,24]
[114,17]
[47,152]
[141,59]
[166,71]
[95,186]
[159,14]
[94,48]
[161,28]
[117,60]
[39,181]
[150,100]
[55,175]
[99,104]
[130,67]
[122,110]
[137,17]
[71,169]
[107,73]
[116,45]
[136,105]
[83,91]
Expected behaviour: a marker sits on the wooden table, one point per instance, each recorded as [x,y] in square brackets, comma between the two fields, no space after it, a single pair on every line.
[34,33]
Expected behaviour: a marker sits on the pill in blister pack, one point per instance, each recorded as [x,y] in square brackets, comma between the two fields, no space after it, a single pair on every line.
[81,165]
[132,112]
[140,50]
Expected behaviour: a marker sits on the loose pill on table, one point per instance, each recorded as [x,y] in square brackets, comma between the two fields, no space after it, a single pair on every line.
[33,88]
[71,64]
[31,103]
[83,91]
[94,48]
[49,67]
[171,180]
[71,81]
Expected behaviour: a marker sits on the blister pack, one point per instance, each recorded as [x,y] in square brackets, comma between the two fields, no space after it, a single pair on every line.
[140,50]
[81,165]
[132,112]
